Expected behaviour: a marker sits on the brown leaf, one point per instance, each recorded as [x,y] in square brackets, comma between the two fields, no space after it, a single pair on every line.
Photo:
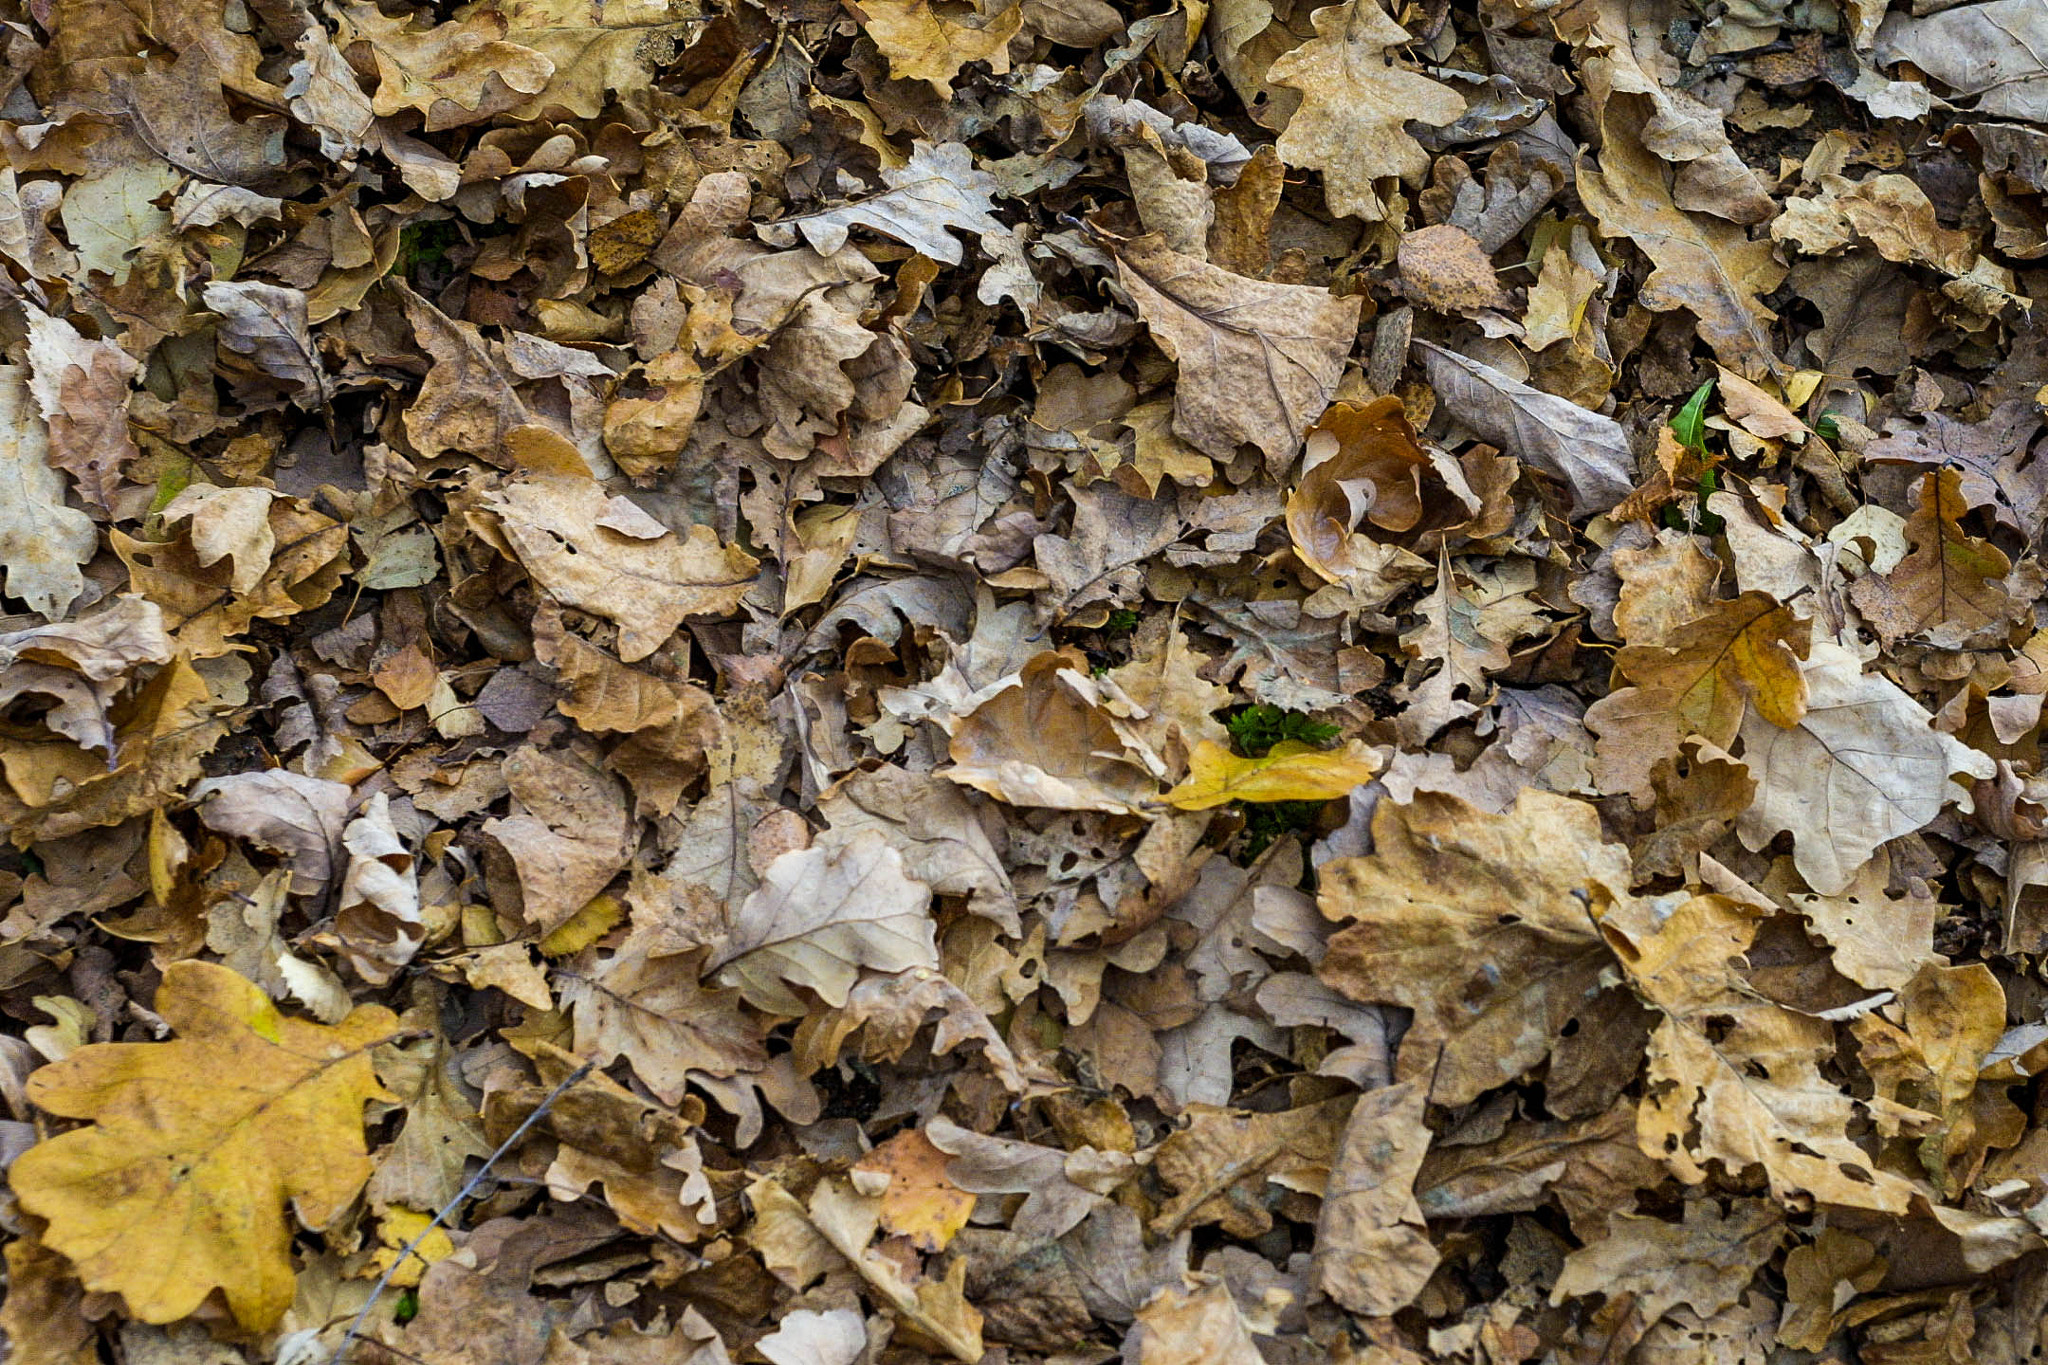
[1483,925]
[1373,1254]
[1258,361]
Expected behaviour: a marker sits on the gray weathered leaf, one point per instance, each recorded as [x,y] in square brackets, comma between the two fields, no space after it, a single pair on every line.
[1588,451]
[267,323]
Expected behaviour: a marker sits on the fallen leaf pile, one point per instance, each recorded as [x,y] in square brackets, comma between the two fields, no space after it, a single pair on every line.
[1025,682]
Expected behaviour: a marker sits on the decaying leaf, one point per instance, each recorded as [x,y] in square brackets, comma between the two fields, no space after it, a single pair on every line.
[1863,765]
[1483,925]
[1259,362]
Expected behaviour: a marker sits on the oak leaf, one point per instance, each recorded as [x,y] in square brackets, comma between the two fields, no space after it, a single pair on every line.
[919,1201]
[1742,654]
[1479,923]
[1735,1078]
[563,531]
[647,1006]
[82,389]
[1712,268]
[1948,591]
[179,1186]
[1373,1254]
[936,1308]
[43,543]
[1048,740]
[924,45]
[1355,105]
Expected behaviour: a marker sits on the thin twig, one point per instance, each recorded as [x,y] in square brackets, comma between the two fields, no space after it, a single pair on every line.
[384,1280]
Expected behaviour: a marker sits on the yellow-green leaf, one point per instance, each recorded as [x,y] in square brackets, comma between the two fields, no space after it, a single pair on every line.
[1293,771]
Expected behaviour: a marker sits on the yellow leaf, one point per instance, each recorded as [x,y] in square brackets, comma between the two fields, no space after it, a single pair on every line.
[583,928]
[1291,772]
[179,1186]
[399,1226]
[920,1202]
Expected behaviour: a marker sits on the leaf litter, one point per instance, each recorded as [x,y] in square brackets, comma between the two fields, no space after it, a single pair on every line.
[877,682]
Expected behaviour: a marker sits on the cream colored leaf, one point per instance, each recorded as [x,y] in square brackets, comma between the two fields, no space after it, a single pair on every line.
[1373,1253]
[42,541]
[938,193]
[808,1337]
[648,586]
[378,916]
[821,914]
[1863,766]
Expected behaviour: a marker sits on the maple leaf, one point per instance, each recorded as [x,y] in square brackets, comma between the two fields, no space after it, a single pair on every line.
[179,1186]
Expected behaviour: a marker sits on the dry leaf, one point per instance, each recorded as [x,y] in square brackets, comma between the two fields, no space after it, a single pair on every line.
[1258,362]
[1862,767]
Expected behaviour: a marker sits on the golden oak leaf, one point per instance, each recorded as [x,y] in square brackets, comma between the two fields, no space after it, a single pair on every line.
[1355,105]
[1292,771]
[179,1186]
[1949,590]
[920,1202]
[1741,655]
[925,45]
